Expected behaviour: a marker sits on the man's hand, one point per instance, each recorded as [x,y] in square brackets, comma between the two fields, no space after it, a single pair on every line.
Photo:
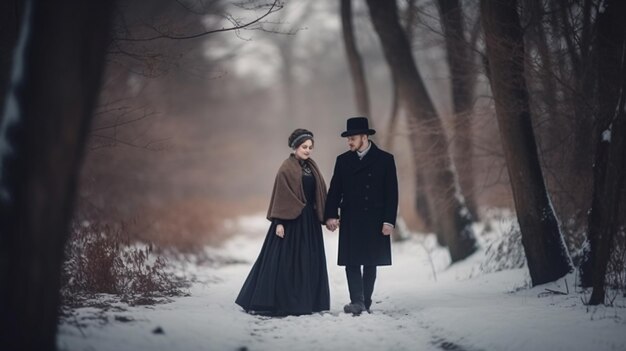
[332,224]
[387,229]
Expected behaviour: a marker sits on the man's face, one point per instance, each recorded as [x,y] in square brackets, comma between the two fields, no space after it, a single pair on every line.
[356,142]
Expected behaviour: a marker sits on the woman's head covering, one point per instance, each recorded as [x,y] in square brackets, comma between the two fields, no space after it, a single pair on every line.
[298,137]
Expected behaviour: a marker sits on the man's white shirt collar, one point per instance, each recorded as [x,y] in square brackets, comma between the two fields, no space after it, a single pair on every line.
[362,154]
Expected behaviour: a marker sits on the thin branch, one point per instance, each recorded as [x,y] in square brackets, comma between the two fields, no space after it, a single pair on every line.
[118,124]
[273,8]
[116,140]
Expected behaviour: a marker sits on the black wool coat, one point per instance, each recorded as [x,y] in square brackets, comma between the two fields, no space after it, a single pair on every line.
[363,194]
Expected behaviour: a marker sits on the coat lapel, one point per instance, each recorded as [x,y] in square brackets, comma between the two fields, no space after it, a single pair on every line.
[353,161]
[369,158]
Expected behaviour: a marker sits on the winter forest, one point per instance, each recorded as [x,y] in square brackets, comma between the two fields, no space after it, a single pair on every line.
[140,140]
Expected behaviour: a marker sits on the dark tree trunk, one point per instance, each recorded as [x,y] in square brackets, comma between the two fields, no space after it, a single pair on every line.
[547,67]
[609,163]
[545,250]
[393,114]
[463,78]
[538,37]
[395,99]
[9,27]
[354,61]
[54,88]
[453,218]
[422,206]
[579,47]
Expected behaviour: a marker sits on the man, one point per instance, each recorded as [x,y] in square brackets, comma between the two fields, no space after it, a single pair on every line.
[363,196]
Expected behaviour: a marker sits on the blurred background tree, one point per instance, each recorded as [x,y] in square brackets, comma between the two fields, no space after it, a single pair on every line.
[198,97]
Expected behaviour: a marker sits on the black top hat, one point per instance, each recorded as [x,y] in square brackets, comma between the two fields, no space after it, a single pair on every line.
[357,125]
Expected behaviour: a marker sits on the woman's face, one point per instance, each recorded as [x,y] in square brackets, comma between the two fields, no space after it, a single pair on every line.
[303,152]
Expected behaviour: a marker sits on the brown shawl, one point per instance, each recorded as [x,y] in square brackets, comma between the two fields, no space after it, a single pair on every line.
[288,198]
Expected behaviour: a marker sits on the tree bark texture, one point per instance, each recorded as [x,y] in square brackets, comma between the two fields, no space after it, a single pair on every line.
[462,78]
[546,70]
[354,61]
[543,243]
[580,52]
[422,206]
[610,160]
[409,23]
[52,94]
[431,147]
[10,12]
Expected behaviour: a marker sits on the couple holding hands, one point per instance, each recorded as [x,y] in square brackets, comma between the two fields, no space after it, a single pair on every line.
[289,277]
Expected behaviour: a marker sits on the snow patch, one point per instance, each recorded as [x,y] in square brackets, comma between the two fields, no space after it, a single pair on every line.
[463,307]
[606,135]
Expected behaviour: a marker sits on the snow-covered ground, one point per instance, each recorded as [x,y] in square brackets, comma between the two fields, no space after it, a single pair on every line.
[458,307]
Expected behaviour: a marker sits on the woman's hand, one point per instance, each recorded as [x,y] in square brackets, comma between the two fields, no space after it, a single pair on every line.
[280,231]
[332,224]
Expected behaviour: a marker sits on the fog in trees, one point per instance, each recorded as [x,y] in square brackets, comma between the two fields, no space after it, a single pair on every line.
[197,99]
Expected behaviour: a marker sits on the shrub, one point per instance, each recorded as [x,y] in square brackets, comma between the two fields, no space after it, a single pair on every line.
[503,240]
[100,259]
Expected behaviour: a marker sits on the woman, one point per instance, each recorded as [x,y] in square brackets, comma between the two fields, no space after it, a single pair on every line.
[289,277]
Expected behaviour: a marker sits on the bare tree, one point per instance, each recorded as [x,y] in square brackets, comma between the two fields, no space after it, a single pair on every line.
[610,160]
[354,61]
[422,206]
[577,27]
[156,67]
[285,44]
[54,86]
[409,22]
[462,79]
[538,38]
[543,243]
[429,142]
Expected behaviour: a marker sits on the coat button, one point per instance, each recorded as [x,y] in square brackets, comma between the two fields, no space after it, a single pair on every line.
[367,186]
[366,198]
[369,174]
[365,209]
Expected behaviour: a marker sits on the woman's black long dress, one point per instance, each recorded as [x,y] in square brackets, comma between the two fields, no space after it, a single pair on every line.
[289,277]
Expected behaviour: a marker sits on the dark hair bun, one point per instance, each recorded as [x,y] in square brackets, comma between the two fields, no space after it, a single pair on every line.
[298,137]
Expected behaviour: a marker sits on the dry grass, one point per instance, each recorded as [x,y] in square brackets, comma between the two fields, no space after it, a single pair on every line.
[100,259]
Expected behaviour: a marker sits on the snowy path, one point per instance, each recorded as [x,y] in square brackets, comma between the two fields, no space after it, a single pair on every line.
[411,311]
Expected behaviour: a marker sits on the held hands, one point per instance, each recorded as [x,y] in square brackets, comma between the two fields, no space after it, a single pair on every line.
[332,224]
[280,231]
[387,229]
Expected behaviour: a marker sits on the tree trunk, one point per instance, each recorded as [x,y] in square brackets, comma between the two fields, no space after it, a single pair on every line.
[395,99]
[9,27]
[543,243]
[393,115]
[292,113]
[463,78]
[579,46]
[54,87]
[609,164]
[354,61]
[549,91]
[422,206]
[453,218]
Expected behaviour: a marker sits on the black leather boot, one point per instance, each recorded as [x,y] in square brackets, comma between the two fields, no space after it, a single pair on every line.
[354,308]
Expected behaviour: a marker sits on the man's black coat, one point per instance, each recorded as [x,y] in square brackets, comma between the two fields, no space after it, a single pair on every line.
[366,191]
